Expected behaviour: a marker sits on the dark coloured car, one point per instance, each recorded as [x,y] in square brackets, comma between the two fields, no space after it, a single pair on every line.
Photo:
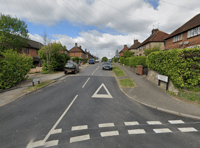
[71,67]
[107,66]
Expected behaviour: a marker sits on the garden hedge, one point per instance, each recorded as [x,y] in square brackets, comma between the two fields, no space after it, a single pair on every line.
[13,68]
[181,65]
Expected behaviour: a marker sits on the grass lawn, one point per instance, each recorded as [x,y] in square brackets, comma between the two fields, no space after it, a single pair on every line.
[118,71]
[38,85]
[128,82]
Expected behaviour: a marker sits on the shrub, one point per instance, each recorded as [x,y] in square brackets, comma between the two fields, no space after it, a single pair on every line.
[75,59]
[181,65]
[59,60]
[139,60]
[121,60]
[126,61]
[13,68]
[116,60]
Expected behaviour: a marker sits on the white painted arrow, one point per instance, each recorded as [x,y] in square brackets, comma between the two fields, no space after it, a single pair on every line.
[108,95]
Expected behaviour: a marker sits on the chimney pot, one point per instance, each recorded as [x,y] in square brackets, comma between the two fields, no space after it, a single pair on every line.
[75,44]
[125,45]
[154,31]
[79,46]
[135,41]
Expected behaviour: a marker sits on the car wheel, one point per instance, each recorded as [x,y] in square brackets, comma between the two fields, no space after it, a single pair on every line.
[65,72]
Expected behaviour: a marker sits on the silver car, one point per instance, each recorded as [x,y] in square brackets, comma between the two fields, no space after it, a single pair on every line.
[71,67]
[107,65]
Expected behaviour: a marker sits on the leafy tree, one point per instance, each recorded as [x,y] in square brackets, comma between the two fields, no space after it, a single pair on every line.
[127,54]
[13,33]
[155,48]
[76,59]
[105,59]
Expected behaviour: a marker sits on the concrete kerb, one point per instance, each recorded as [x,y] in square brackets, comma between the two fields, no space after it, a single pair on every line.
[155,107]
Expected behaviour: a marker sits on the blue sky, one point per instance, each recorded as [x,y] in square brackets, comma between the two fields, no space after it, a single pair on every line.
[101,26]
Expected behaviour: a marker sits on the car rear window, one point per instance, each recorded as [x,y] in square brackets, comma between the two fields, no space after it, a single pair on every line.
[69,64]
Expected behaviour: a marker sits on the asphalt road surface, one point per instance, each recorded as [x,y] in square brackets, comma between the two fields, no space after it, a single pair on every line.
[88,110]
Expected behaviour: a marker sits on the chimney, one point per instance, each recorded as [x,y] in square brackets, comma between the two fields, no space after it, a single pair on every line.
[154,31]
[75,44]
[79,46]
[135,41]
[125,46]
[85,50]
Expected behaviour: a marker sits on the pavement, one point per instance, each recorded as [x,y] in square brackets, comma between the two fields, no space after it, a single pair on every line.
[14,93]
[149,94]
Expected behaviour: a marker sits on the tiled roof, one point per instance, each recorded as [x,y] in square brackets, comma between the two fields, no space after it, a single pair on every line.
[124,49]
[135,46]
[35,44]
[159,36]
[76,49]
[194,22]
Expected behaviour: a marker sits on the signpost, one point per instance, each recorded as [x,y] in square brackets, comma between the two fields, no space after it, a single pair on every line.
[36,80]
[163,78]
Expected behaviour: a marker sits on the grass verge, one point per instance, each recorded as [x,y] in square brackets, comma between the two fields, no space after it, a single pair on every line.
[118,72]
[32,88]
[128,82]
[188,96]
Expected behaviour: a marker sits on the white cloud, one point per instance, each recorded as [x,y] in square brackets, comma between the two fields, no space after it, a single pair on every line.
[134,18]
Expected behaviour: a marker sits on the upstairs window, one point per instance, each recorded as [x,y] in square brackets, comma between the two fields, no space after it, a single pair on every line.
[26,50]
[195,31]
[189,34]
[198,30]
[192,33]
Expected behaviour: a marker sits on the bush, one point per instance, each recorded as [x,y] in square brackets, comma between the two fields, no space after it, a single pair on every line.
[59,60]
[121,60]
[139,60]
[181,65]
[126,61]
[116,60]
[13,68]
[84,60]
[75,59]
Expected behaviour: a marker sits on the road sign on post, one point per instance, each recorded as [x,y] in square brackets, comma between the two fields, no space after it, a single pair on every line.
[36,80]
[163,78]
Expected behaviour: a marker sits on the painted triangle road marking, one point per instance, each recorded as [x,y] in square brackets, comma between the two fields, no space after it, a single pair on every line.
[108,95]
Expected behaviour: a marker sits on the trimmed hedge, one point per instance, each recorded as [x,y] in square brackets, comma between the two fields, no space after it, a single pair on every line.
[181,65]
[121,60]
[13,68]
[139,60]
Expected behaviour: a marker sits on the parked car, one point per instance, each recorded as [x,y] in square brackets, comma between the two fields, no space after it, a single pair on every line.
[91,61]
[71,66]
[107,65]
[96,61]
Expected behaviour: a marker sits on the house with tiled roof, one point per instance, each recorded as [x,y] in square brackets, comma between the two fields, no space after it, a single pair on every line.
[155,39]
[134,47]
[77,51]
[32,49]
[186,36]
[88,54]
[122,51]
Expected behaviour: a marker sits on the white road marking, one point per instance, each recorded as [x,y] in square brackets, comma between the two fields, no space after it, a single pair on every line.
[136,131]
[93,72]
[56,131]
[106,125]
[51,143]
[154,122]
[79,138]
[52,131]
[176,121]
[131,123]
[108,95]
[82,127]
[162,130]
[97,67]
[110,133]
[85,82]
[188,129]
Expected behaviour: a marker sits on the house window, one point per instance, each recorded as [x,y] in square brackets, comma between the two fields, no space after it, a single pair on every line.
[140,48]
[174,39]
[198,30]
[195,31]
[26,50]
[192,33]
[189,34]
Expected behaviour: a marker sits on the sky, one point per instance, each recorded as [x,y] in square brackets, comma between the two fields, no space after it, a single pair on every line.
[100,26]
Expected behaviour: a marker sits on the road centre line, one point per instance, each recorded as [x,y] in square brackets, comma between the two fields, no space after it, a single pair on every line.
[162,130]
[110,133]
[106,125]
[93,72]
[82,127]
[79,138]
[85,82]
[52,131]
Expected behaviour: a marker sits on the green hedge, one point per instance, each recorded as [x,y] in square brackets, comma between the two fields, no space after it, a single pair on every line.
[13,68]
[121,60]
[126,61]
[139,60]
[181,65]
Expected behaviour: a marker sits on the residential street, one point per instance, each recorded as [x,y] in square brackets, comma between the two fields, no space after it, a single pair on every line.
[88,110]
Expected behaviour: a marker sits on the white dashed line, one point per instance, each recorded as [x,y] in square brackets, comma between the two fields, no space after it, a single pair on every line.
[106,125]
[110,133]
[56,131]
[154,122]
[176,121]
[79,138]
[85,82]
[162,130]
[131,123]
[136,131]
[93,72]
[51,143]
[82,127]
[188,129]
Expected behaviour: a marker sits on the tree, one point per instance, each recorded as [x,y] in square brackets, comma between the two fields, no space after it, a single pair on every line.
[13,33]
[104,59]
[155,48]
[128,54]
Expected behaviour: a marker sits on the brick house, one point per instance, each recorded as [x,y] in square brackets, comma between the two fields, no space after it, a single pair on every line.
[77,51]
[88,55]
[186,36]
[32,49]
[122,51]
[155,39]
[134,47]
